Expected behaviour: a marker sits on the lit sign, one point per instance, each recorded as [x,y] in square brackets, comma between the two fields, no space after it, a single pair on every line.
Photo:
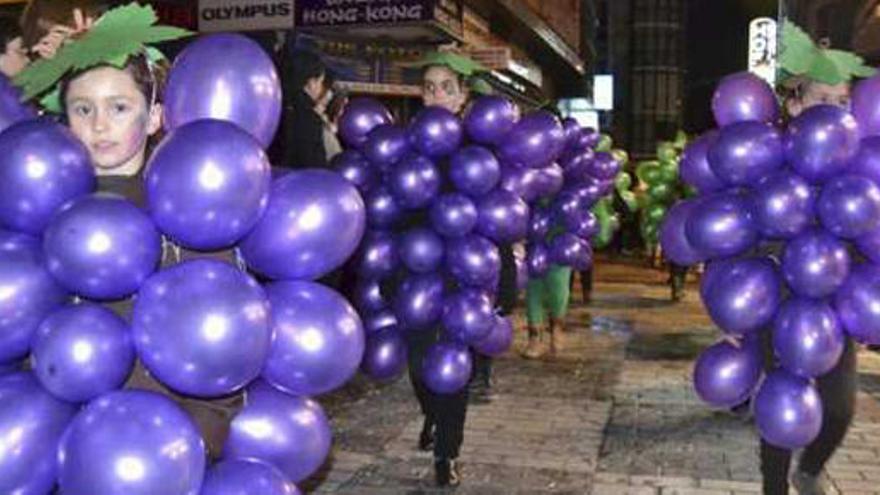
[762,49]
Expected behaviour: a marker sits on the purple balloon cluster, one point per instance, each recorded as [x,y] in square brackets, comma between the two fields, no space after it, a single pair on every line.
[441,195]
[203,328]
[809,192]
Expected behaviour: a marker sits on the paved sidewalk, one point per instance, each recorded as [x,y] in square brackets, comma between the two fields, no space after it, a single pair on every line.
[614,413]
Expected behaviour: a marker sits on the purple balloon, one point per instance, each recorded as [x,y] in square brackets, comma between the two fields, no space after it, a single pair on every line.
[856,304]
[207,184]
[473,261]
[865,106]
[869,245]
[102,246]
[746,296]
[414,181]
[821,142]
[385,357]
[783,205]
[694,167]
[538,260]
[588,139]
[447,367]
[746,152]
[379,255]
[360,117]
[521,181]
[726,373]
[454,215]
[577,168]
[42,166]
[383,210]
[421,250]
[468,316]
[499,339]
[224,77]
[12,108]
[503,217]
[120,443]
[866,161]
[246,476]
[788,411]
[474,170]
[535,141]
[319,339]
[30,293]
[807,337]
[539,224]
[568,208]
[386,144]
[676,246]
[490,118]
[549,180]
[723,226]
[744,97]
[356,169]
[290,433]
[849,206]
[314,222]
[82,351]
[367,296]
[418,303]
[202,327]
[815,264]
[572,129]
[435,132]
[591,192]
[570,250]
[588,226]
[604,166]
[31,424]
[385,318]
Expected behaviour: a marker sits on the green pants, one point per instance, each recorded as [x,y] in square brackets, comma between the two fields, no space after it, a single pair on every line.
[548,294]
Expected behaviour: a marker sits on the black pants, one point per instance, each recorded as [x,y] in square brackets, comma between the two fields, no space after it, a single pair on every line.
[446,411]
[677,276]
[482,369]
[586,277]
[837,390]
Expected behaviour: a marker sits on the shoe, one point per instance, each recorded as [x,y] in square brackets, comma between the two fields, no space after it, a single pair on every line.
[808,484]
[426,437]
[534,349]
[479,393]
[446,472]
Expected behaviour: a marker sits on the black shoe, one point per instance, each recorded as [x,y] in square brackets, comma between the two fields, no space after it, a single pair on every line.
[446,472]
[426,437]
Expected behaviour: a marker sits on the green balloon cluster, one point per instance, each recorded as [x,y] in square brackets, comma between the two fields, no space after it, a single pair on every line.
[608,218]
[663,187]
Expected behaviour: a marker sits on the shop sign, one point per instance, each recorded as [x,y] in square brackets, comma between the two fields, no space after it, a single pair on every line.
[762,49]
[321,13]
[245,15]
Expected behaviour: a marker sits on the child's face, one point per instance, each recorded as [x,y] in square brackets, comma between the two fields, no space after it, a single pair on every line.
[441,87]
[817,93]
[109,114]
[14,58]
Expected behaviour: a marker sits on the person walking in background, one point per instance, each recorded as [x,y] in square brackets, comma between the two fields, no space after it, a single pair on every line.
[14,57]
[303,127]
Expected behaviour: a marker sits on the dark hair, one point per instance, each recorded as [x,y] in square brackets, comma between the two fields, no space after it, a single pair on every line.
[40,15]
[9,30]
[304,65]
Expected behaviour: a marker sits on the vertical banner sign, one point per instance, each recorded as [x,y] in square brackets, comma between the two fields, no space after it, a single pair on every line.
[763,49]
[245,15]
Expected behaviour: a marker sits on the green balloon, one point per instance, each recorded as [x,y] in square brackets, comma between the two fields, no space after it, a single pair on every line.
[621,156]
[623,181]
[666,151]
[668,172]
[680,140]
[605,143]
[631,200]
[649,231]
[655,213]
[660,192]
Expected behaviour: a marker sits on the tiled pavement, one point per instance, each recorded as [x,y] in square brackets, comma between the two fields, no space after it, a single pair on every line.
[614,413]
